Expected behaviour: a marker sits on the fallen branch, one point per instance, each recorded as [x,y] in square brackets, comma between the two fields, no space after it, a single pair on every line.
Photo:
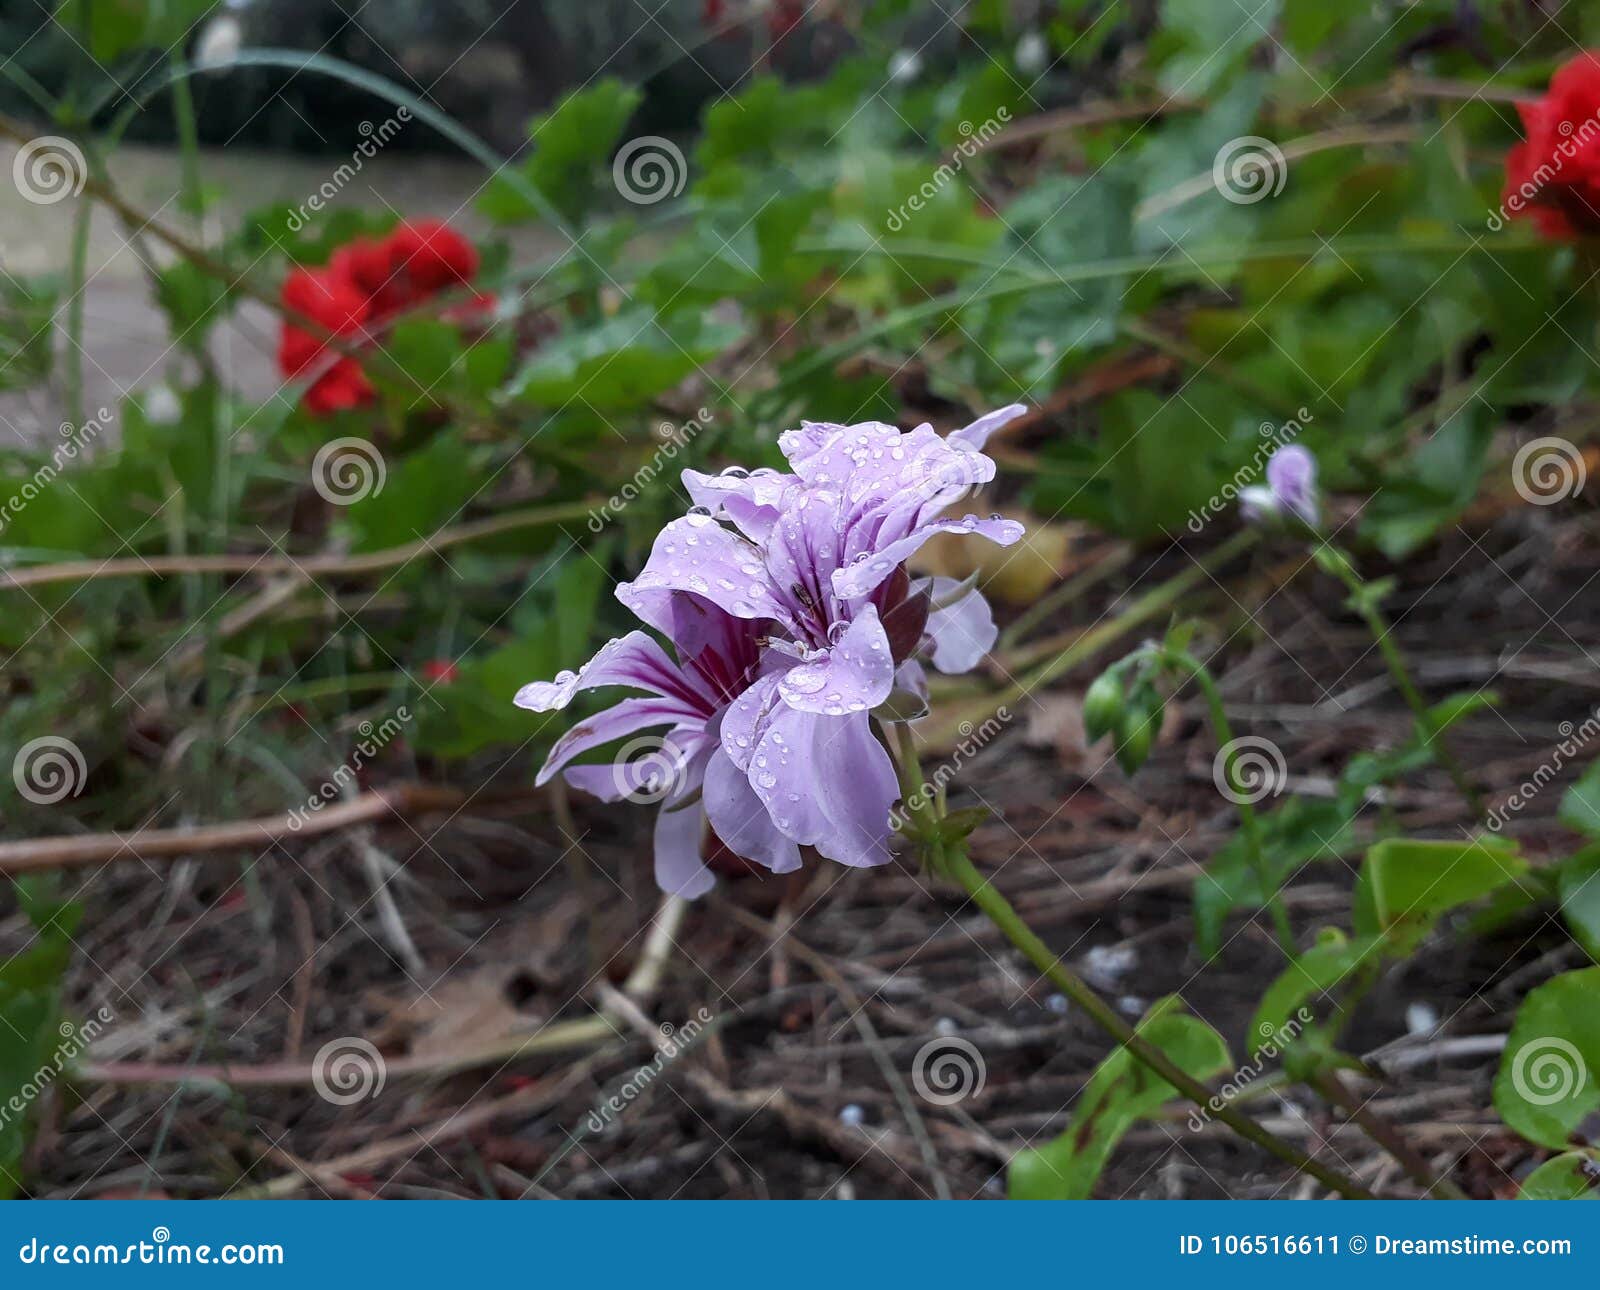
[328,565]
[77,851]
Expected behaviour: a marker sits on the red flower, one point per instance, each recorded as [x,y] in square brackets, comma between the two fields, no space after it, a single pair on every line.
[441,671]
[432,256]
[337,305]
[1553,176]
[366,283]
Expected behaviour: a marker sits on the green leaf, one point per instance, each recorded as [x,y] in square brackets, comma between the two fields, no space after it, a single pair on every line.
[1122,1091]
[1405,885]
[1579,885]
[1298,832]
[117,26]
[1282,1017]
[572,147]
[621,364]
[1547,1086]
[1572,1176]
[1580,804]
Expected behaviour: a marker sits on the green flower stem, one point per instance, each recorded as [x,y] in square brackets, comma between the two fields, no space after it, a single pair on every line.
[948,858]
[1249,823]
[1340,565]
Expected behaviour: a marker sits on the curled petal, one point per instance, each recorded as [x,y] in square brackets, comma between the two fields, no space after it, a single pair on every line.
[697,554]
[864,575]
[633,660]
[679,840]
[962,630]
[749,498]
[625,718]
[977,434]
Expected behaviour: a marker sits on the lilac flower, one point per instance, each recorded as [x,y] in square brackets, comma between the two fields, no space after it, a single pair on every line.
[793,617]
[1291,488]
[718,657]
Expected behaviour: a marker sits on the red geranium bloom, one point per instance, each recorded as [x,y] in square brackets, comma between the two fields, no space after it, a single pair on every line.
[1553,177]
[366,283]
[432,256]
[335,303]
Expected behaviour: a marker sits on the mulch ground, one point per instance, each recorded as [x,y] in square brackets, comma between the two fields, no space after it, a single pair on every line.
[822,991]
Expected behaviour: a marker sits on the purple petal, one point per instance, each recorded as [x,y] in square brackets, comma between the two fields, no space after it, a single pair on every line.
[909,678]
[977,434]
[746,718]
[740,818]
[621,719]
[680,870]
[854,675]
[632,660]
[749,498]
[863,576]
[697,554]
[1292,477]
[962,632]
[827,783]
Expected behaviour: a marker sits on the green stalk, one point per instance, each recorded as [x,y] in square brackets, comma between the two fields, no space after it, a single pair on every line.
[1250,824]
[947,857]
[1361,599]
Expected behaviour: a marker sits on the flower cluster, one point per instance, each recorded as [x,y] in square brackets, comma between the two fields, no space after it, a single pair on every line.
[793,622]
[365,284]
[1553,176]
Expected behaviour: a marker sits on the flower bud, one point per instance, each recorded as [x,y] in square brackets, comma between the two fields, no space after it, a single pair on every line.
[1102,706]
